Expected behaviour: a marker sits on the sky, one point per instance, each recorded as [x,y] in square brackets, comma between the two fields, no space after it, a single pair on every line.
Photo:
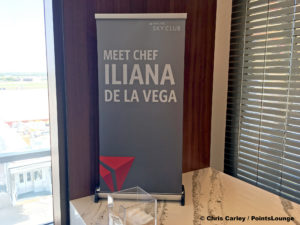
[22,36]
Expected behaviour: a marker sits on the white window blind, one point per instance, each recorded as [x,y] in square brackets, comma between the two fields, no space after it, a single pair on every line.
[263,111]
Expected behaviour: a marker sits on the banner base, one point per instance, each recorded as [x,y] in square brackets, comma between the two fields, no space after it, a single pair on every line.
[160,197]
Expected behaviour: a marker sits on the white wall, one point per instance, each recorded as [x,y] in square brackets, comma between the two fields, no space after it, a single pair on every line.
[220,82]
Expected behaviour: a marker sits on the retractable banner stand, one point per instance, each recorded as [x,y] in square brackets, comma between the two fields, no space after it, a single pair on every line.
[141,75]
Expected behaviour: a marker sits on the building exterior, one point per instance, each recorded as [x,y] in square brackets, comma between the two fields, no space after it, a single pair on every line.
[27,178]
[21,178]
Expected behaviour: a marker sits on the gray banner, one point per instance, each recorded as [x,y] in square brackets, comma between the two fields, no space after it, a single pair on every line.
[140,69]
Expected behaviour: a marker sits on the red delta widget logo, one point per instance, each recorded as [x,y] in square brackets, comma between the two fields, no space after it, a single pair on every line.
[114,167]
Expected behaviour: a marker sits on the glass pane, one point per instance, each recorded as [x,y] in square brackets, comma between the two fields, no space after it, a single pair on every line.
[25,162]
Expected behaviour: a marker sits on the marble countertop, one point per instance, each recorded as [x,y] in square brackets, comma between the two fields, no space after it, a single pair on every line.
[212,197]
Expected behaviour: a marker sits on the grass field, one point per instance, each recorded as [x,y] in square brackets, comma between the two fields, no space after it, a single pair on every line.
[13,85]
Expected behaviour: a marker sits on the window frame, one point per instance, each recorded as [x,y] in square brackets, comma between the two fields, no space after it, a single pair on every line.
[57,109]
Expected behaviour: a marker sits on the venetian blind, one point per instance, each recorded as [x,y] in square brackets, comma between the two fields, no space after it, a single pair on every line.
[263,110]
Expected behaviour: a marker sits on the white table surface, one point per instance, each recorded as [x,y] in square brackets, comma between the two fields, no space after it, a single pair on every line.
[209,193]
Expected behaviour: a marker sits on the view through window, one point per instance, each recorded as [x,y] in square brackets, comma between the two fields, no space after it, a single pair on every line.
[25,163]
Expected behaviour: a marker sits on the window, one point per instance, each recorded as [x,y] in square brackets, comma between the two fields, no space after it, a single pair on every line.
[262,143]
[28,176]
[26,197]
[38,175]
[21,178]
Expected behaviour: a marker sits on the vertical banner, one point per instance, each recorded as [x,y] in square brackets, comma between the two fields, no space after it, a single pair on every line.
[141,75]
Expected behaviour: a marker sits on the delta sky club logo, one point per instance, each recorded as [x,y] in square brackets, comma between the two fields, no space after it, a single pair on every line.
[114,170]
